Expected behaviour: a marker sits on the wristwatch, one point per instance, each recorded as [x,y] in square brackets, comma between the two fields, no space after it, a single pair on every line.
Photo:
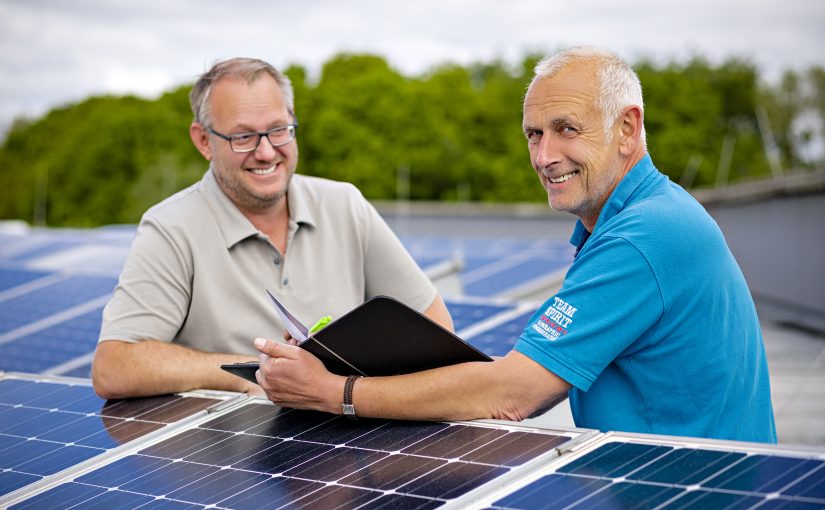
[347,407]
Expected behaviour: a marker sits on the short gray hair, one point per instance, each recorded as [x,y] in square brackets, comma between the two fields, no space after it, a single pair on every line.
[248,69]
[619,86]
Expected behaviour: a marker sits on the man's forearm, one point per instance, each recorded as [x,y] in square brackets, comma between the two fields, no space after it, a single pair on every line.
[510,388]
[123,369]
[461,392]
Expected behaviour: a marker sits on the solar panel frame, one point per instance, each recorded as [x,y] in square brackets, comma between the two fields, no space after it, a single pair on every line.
[596,474]
[173,459]
[51,452]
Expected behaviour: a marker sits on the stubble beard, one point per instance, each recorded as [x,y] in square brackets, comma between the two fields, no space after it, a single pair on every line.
[246,198]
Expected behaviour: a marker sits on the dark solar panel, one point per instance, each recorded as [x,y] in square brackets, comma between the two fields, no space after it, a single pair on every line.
[43,302]
[262,456]
[48,426]
[52,346]
[645,475]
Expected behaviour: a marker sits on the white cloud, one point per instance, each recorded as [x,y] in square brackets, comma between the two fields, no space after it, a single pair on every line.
[55,52]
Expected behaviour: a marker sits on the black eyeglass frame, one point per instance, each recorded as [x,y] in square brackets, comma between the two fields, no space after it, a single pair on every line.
[292,128]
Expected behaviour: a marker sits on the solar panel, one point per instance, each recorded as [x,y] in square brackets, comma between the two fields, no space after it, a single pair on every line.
[46,243]
[54,346]
[494,265]
[258,455]
[50,424]
[10,278]
[45,301]
[512,276]
[466,314]
[499,339]
[636,472]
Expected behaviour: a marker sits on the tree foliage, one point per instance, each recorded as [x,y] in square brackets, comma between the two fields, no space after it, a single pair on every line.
[453,133]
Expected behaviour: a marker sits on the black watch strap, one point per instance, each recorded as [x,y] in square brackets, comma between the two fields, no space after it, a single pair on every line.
[347,407]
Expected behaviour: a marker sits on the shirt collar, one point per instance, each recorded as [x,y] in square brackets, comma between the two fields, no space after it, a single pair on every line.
[236,227]
[618,199]
[298,198]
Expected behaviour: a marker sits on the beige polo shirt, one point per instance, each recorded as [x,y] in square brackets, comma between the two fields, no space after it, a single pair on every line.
[198,270]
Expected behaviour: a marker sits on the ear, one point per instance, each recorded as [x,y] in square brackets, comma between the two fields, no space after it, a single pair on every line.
[200,137]
[631,122]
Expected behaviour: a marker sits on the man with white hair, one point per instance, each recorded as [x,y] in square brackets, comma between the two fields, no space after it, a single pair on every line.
[654,329]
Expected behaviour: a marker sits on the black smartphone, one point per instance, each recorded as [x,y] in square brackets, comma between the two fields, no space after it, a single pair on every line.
[246,370]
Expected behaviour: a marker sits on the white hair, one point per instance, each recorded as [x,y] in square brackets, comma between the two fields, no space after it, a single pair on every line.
[619,86]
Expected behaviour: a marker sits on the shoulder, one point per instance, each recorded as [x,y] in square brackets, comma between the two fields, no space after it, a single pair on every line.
[668,218]
[179,208]
[328,198]
[318,188]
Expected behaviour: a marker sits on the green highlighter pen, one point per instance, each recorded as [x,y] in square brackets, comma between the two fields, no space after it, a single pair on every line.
[322,322]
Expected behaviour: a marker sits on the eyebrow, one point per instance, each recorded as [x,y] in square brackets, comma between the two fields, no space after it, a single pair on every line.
[564,119]
[555,123]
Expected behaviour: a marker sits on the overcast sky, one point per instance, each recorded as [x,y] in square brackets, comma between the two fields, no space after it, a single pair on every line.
[54,52]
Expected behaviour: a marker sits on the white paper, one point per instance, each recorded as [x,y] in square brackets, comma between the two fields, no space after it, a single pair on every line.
[296,329]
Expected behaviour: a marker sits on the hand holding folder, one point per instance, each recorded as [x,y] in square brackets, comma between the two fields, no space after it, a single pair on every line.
[379,337]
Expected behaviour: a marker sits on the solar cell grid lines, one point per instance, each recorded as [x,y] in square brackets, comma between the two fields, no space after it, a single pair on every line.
[47,348]
[49,300]
[466,314]
[492,266]
[498,340]
[261,456]
[47,426]
[626,473]
[12,277]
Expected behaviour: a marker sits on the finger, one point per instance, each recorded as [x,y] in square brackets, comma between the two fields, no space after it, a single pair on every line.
[266,346]
[287,336]
[275,349]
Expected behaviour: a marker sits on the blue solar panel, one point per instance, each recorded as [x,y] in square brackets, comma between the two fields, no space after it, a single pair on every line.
[261,456]
[514,276]
[500,339]
[469,314]
[49,244]
[668,476]
[54,298]
[48,426]
[488,263]
[10,278]
[83,370]
[52,346]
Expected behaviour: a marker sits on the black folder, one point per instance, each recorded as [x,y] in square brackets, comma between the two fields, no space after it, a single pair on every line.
[380,337]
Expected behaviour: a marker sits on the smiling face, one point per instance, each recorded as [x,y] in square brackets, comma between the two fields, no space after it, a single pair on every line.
[255,181]
[576,164]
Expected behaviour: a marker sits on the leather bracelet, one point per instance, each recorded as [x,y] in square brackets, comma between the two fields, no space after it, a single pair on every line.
[347,407]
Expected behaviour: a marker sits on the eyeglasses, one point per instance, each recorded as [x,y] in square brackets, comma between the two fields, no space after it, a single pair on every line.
[248,142]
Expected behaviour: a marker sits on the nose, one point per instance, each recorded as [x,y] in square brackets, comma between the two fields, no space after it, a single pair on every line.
[265,150]
[547,152]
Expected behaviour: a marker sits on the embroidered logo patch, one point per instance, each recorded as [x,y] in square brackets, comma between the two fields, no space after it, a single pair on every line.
[554,322]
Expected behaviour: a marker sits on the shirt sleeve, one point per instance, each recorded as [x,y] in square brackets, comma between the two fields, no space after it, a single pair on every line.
[152,297]
[610,297]
[389,268]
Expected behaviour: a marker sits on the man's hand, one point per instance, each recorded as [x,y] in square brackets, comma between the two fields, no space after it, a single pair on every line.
[293,377]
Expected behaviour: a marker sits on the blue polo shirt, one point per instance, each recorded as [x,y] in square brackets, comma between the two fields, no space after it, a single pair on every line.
[654,326]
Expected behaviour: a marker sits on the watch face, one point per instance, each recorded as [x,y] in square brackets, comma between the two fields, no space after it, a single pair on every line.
[349,409]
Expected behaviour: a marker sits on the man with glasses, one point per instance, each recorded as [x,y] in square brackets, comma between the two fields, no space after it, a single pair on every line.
[654,329]
[193,289]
